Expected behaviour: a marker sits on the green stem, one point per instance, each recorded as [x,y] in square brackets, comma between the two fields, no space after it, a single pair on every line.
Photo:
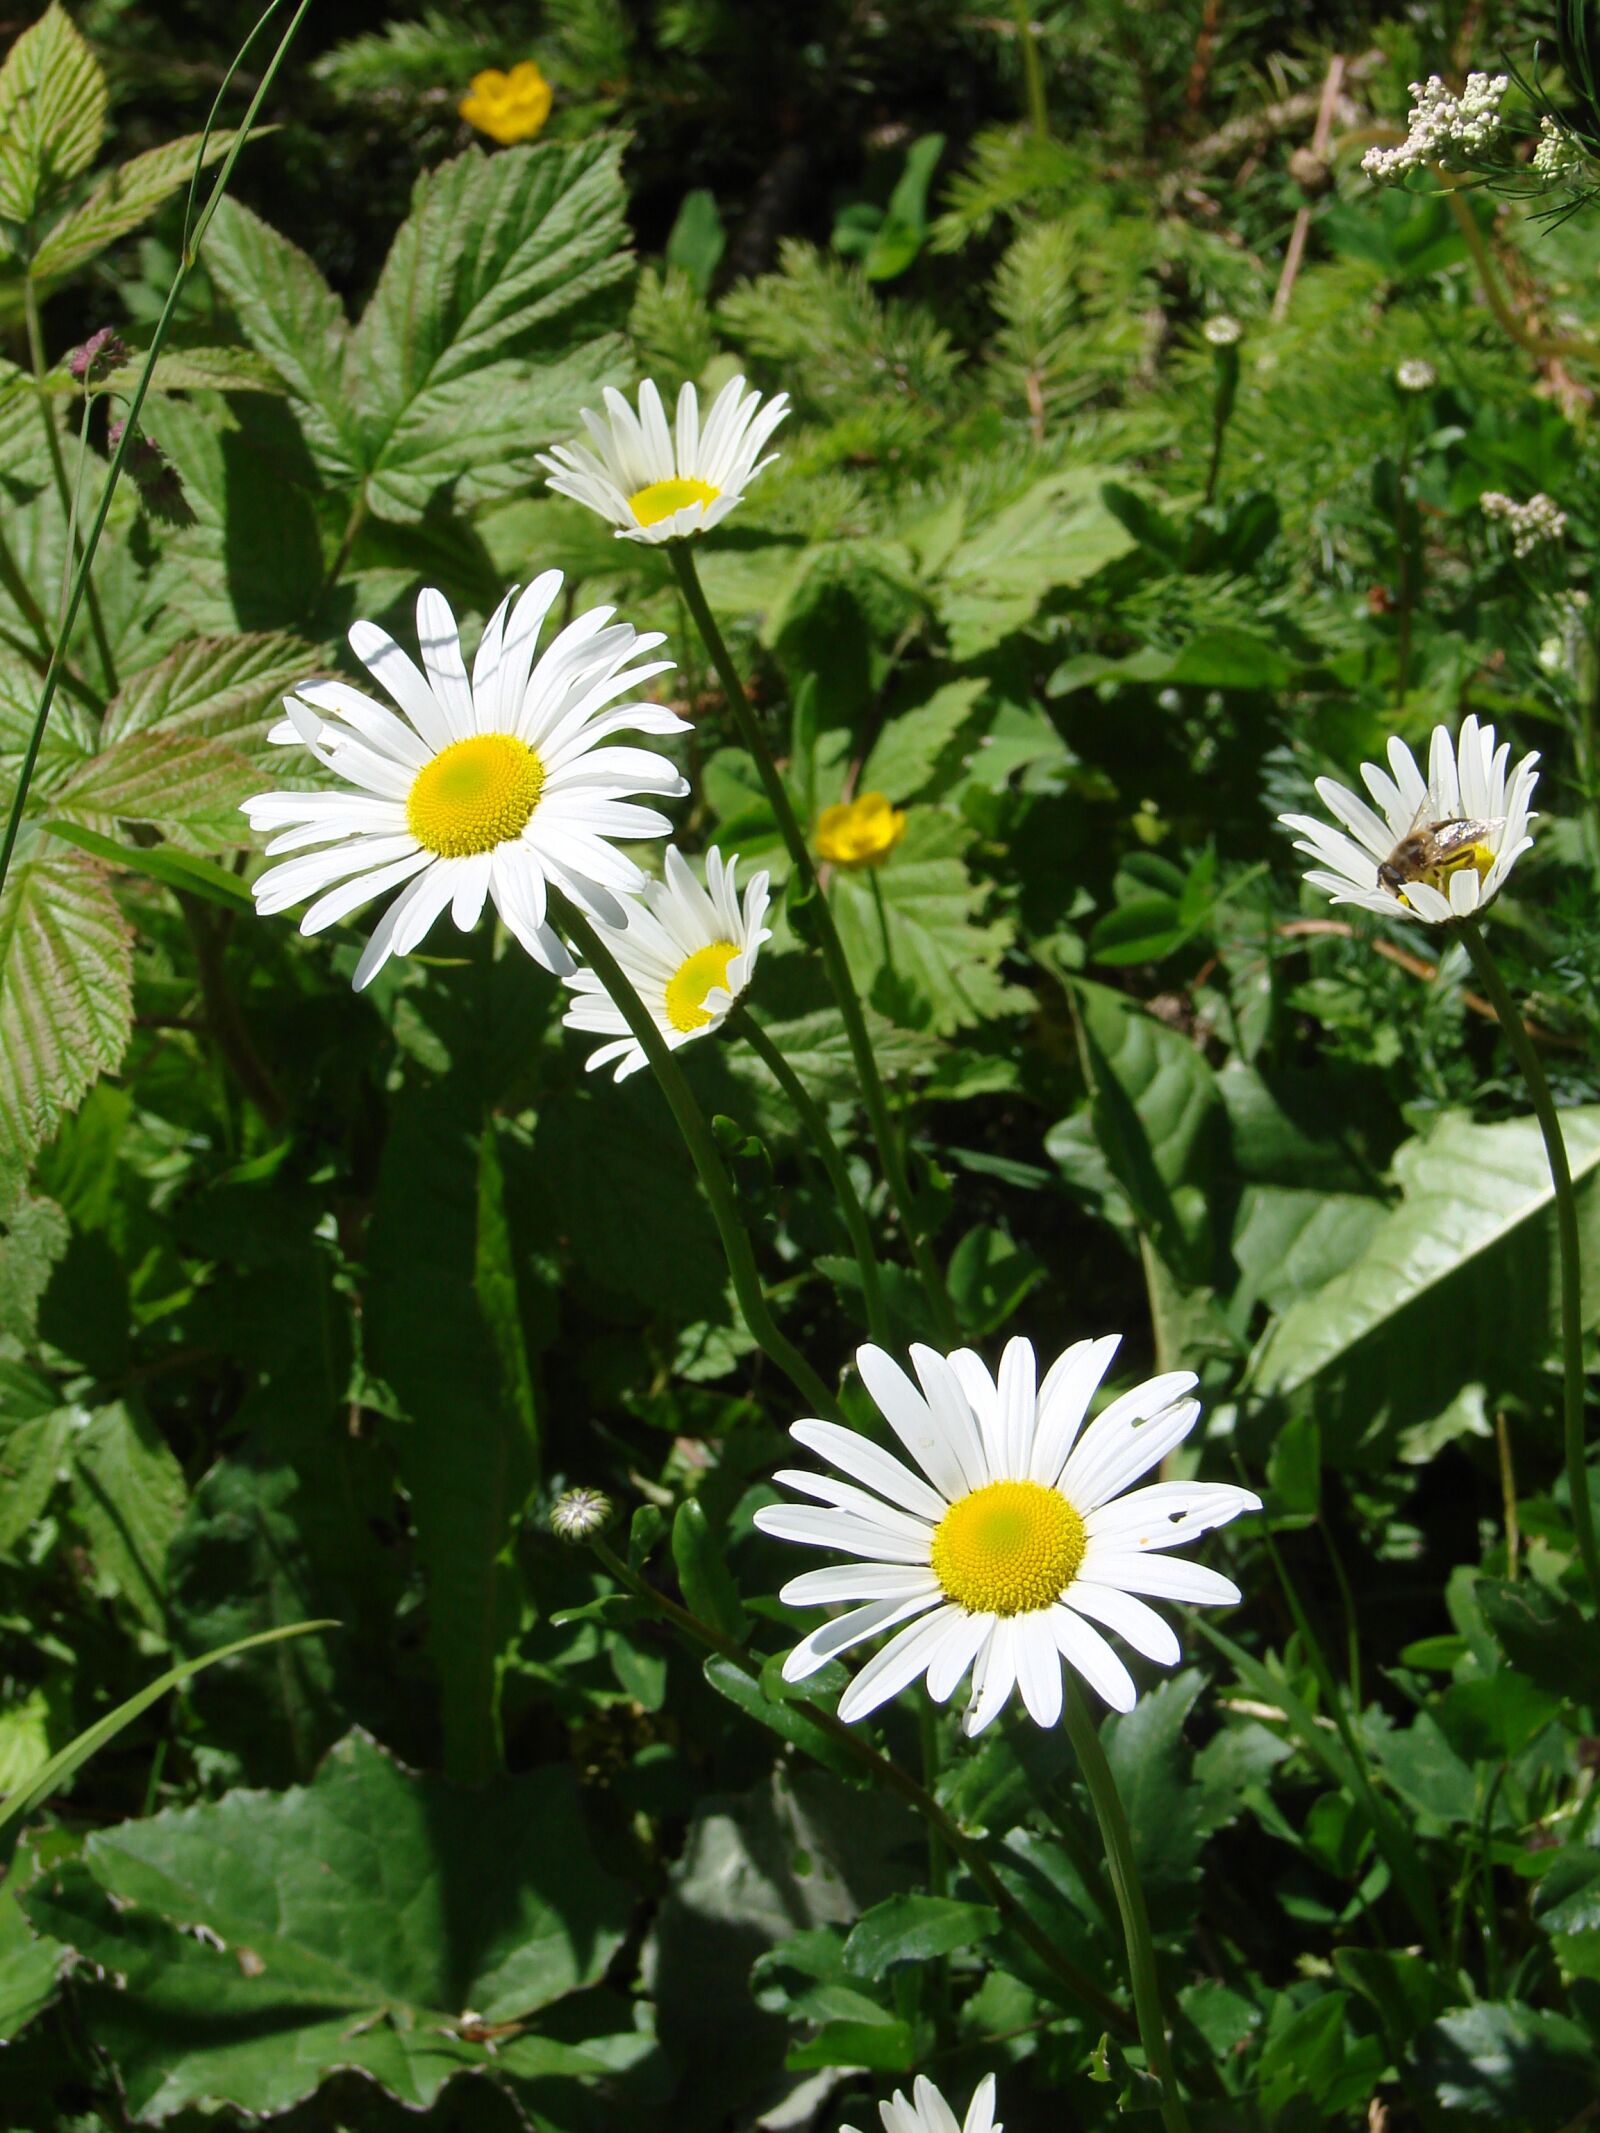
[1032,70]
[1555,1149]
[194,231]
[1125,1882]
[681,557]
[1406,558]
[58,469]
[809,1113]
[707,1161]
[1021,1921]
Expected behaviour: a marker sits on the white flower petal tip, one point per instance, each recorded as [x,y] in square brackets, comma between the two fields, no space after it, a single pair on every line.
[688,948]
[658,482]
[470,791]
[1435,847]
[926,2111]
[1008,1538]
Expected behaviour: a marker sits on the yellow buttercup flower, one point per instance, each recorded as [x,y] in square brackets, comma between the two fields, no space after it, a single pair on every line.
[507,107]
[860,832]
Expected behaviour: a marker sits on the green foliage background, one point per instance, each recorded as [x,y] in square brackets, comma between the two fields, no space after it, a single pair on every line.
[310,1305]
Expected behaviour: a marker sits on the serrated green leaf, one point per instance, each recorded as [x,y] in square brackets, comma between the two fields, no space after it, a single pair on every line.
[129,1497]
[349,1923]
[66,998]
[122,199]
[177,783]
[52,113]
[211,688]
[29,1968]
[1504,2064]
[194,370]
[1457,1284]
[1059,534]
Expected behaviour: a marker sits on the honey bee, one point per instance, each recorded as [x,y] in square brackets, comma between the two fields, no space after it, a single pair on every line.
[1432,851]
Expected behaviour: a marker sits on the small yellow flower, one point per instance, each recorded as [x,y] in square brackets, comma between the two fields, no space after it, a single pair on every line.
[507,107]
[860,832]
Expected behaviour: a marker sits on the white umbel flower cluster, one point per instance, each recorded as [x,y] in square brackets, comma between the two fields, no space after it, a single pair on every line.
[1415,375]
[1443,126]
[1530,525]
[1422,828]
[925,2110]
[1558,159]
[1221,330]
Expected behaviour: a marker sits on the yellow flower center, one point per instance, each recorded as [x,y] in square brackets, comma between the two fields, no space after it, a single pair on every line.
[1477,856]
[1010,1548]
[507,107]
[706,969]
[860,832]
[661,498]
[474,795]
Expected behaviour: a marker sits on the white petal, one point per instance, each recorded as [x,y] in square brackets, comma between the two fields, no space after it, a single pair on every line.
[828,1639]
[1114,1609]
[1101,1452]
[912,1420]
[962,1464]
[853,1454]
[1088,1653]
[1018,1394]
[993,1678]
[1069,1386]
[857,1581]
[903,1658]
[397,673]
[1038,1668]
[815,1527]
[1165,1577]
[965,1639]
[980,2112]
[1167,1514]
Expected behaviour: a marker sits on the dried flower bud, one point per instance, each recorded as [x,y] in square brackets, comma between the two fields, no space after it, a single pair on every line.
[1221,330]
[97,357]
[579,1514]
[1311,172]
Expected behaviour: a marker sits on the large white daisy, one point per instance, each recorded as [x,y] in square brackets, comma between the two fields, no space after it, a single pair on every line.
[661,484]
[1013,1547]
[488,787]
[927,2112]
[688,952]
[1467,784]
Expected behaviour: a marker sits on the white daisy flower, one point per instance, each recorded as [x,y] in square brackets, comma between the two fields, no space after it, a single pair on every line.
[1013,1547]
[492,787]
[1435,849]
[688,952]
[655,485]
[929,2113]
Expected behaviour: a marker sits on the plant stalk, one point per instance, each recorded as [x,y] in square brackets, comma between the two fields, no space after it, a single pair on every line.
[1021,1921]
[1118,1840]
[1555,1149]
[809,1112]
[681,557]
[707,1162]
[1032,70]
[65,490]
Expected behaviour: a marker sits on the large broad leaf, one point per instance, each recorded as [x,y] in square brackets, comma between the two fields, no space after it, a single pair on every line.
[502,258]
[29,1968]
[123,199]
[190,789]
[914,931]
[1458,1283]
[211,689]
[248,1948]
[1059,534]
[288,313]
[66,998]
[52,114]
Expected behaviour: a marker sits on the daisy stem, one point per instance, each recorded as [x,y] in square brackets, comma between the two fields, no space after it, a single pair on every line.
[872,1093]
[809,1113]
[707,1160]
[1555,1149]
[888,1772]
[1118,1840]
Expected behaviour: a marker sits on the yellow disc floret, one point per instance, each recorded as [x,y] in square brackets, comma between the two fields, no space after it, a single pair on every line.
[474,795]
[1009,1548]
[688,985]
[661,498]
[860,832]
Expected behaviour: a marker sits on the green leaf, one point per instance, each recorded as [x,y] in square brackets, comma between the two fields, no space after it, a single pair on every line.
[211,689]
[882,2044]
[33,1458]
[29,1968]
[1457,1284]
[348,1923]
[913,930]
[708,1587]
[697,239]
[66,998]
[915,1929]
[1290,1242]
[124,198]
[128,1495]
[1503,2064]
[1544,1636]
[907,751]
[1055,537]
[899,237]
[193,370]
[773,1704]
[174,869]
[177,783]
[52,114]
[505,258]
[1168,1817]
[288,313]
